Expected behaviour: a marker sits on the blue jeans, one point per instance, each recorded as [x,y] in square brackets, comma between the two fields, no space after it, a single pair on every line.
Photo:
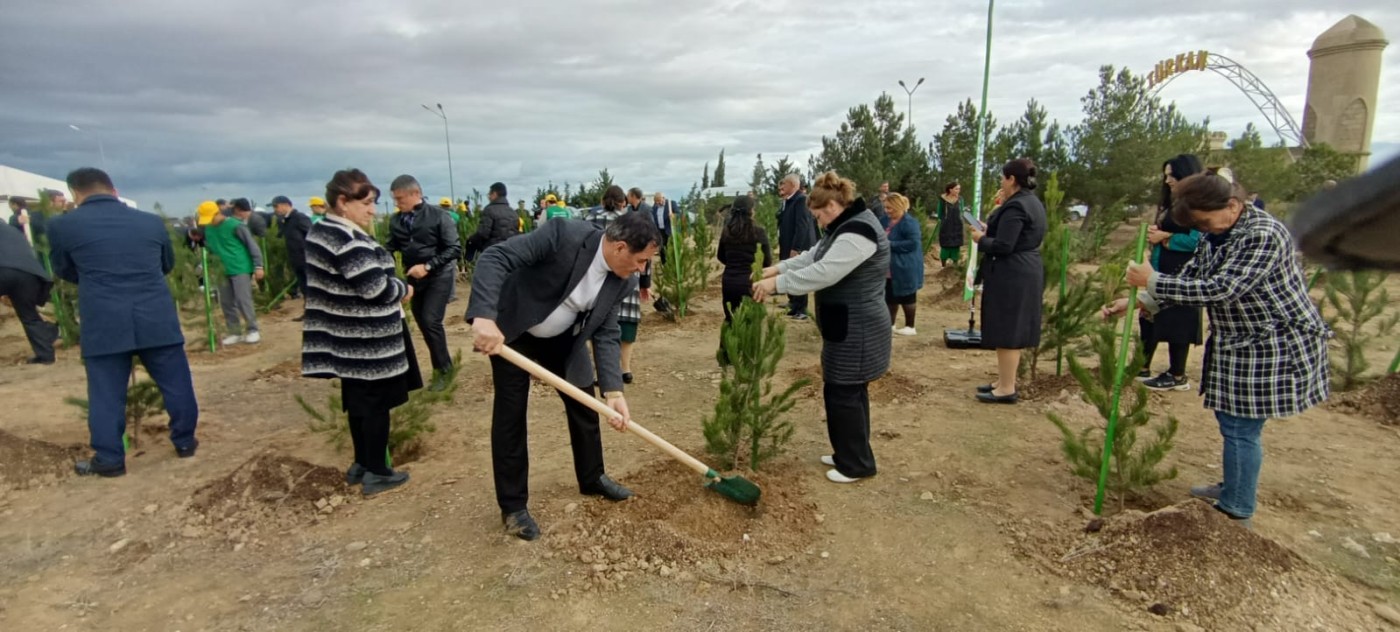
[1244,454]
[108,377]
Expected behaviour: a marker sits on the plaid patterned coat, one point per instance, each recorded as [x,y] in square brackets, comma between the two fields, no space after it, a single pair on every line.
[631,309]
[1267,353]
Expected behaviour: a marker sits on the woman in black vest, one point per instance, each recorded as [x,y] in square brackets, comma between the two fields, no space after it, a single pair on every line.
[739,245]
[1172,246]
[1013,277]
[847,270]
[354,327]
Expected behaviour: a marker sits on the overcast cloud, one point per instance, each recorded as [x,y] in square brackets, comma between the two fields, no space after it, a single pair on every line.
[198,99]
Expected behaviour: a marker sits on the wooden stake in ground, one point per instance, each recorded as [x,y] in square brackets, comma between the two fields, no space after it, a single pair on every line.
[1124,342]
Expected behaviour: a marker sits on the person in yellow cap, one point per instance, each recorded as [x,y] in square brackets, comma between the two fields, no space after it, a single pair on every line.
[318,209]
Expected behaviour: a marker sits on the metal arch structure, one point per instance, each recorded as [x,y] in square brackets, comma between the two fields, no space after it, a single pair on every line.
[1259,94]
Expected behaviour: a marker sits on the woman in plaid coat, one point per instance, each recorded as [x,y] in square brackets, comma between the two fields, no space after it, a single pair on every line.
[629,315]
[1267,353]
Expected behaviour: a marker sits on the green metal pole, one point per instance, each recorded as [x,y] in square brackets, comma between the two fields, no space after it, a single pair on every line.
[208,300]
[1317,276]
[64,331]
[1394,364]
[981,147]
[675,255]
[1064,280]
[1125,341]
[277,299]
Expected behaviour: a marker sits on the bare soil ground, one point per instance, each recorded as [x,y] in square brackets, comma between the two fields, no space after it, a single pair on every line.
[974,522]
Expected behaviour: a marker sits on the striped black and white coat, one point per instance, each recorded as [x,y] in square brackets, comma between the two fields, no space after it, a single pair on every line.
[354,323]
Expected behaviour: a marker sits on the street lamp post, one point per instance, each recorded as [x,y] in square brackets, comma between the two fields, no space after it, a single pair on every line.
[101,151]
[909,92]
[451,185]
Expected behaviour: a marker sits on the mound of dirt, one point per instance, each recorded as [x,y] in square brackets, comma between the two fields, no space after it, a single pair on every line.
[269,492]
[674,525]
[1380,401]
[891,388]
[280,372]
[26,463]
[1187,559]
[1049,387]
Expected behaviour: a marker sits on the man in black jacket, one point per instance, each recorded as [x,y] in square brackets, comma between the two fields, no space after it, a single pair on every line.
[25,282]
[499,221]
[426,237]
[797,233]
[293,225]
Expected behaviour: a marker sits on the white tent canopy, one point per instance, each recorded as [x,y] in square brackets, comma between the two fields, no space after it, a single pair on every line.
[23,184]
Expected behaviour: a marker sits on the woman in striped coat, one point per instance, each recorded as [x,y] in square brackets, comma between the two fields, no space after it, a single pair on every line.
[354,327]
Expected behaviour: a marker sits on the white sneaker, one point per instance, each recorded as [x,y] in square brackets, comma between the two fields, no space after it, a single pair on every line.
[232,340]
[906,331]
[829,460]
[253,338]
[837,477]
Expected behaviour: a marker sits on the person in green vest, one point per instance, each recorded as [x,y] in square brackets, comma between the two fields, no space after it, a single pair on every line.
[318,209]
[556,209]
[229,239]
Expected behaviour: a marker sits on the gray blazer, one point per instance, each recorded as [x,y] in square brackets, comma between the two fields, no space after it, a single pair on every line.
[519,282]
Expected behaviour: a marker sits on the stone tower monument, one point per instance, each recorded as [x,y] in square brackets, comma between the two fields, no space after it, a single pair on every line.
[1343,81]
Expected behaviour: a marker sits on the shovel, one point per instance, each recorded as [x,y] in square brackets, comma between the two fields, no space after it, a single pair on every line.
[735,488]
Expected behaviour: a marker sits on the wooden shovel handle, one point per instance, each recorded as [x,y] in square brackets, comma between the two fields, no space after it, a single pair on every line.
[531,367]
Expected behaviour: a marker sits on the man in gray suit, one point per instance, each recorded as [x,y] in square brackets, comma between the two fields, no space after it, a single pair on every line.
[548,293]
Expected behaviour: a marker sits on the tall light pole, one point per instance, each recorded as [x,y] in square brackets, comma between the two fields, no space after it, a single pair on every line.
[910,93]
[100,150]
[451,186]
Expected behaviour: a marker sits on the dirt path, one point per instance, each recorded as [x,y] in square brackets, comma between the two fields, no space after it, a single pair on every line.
[963,529]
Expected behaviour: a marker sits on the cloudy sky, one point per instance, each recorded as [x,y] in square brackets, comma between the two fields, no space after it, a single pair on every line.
[199,99]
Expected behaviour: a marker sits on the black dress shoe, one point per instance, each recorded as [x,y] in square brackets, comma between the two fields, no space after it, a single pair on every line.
[93,468]
[39,360]
[188,451]
[627,378]
[989,398]
[986,388]
[609,489]
[378,483]
[521,525]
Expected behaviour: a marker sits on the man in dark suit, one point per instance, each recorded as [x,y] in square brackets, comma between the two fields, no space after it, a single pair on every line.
[428,241]
[119,257]
[293,225]
[25,282]
[797,233]
[548,294]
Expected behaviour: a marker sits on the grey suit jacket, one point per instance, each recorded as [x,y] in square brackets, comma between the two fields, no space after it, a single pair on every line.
[519,282]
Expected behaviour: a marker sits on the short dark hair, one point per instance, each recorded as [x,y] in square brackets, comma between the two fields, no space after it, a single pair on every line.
[1022,170]
[221,201]
[1202,192]
[614,198]
[634,229]
[18,202]
[405,183]
[351,184]
[499,188]
[635,192]
[89,179]
[241,204]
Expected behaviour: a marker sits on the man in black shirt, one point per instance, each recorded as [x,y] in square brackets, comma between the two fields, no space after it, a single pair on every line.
[427,239]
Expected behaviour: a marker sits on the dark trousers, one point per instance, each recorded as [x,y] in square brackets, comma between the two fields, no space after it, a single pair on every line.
[510,457]
[1177,353]
[369,432]
[26,291]
[848,427]
[430,296]
[108,377]
[797,303]
[300,272]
